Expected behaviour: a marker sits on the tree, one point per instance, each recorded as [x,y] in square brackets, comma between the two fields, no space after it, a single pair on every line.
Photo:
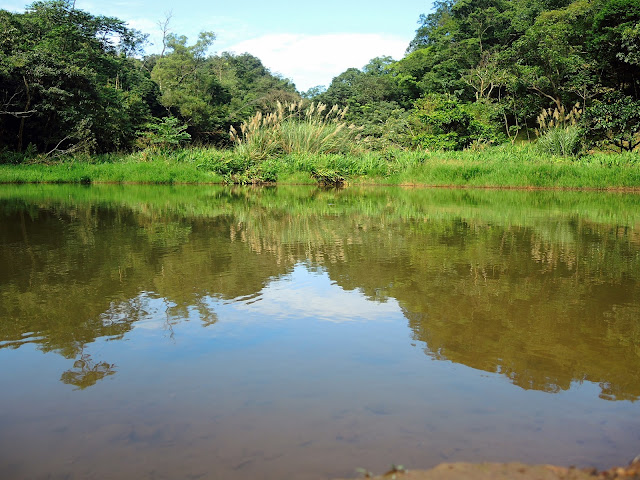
[164,134]
[188,88]
[614,44]
[550,54]
[68,80]
[630,52]
[615,120]
[250,84]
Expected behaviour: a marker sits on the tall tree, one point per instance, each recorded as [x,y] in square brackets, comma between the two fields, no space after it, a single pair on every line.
[68,80]
[250,84]
[189,88]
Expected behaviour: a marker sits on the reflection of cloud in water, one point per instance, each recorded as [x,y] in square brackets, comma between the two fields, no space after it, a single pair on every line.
[305,293]
[302,293]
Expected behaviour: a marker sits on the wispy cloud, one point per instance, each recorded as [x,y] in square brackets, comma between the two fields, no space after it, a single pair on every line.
[311,60]
[307,59]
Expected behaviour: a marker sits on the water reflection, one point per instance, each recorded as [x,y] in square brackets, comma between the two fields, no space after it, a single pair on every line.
[539,287]
[303,294]
[301,333]
[86,372]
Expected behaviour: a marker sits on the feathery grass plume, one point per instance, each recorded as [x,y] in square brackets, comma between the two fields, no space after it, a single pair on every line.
[557,118]
[558,132]
[299,127]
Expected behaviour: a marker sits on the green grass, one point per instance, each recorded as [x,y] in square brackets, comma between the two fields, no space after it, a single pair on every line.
[159,169]
[503,166]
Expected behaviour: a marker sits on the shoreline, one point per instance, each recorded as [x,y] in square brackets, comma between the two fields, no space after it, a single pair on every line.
[507,471]
[610,189]
[513,167]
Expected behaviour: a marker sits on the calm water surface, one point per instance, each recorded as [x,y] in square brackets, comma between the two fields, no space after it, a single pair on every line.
[189,332]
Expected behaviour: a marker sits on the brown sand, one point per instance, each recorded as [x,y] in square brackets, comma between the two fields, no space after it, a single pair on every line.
[509,471]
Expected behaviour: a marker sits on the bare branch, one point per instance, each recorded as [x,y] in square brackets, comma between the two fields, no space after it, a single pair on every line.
[57,152]
[24,114]
[55,149]
[165,29]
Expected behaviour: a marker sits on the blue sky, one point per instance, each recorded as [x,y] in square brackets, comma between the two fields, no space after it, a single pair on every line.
[308,42]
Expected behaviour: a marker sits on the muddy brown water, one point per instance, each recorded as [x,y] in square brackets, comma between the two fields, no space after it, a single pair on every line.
[210,332]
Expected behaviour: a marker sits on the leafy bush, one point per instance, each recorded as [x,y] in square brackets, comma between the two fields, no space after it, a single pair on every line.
[443,123]
[14,158]
[614,120]
[164,134]
[384,125]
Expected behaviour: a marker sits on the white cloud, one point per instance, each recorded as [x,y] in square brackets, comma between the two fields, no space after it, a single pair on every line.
[146,26]
[311,60]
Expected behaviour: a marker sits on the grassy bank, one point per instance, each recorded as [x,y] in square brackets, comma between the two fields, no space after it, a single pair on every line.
[505,166]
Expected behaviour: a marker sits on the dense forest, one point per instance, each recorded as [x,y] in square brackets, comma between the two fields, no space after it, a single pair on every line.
[477,73]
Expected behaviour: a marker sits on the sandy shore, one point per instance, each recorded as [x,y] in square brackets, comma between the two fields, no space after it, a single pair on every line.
[509,471]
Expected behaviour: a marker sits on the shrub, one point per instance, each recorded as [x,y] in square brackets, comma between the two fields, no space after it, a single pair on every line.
[563,141]
[443,123]
[163,134]
[384,125]
[614,120]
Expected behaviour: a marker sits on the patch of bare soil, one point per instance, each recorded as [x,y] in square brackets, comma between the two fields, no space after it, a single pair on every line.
[509,471]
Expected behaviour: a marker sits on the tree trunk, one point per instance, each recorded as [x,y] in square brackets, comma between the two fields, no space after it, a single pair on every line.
[26,109]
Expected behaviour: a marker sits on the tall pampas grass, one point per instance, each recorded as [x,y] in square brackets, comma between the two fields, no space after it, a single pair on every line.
[558,131]
[298,127]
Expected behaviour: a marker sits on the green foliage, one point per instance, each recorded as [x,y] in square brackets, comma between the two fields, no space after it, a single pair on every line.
[630,52]
[210,93]
[563,141]
[523,56]
[327,176]
[551,52]
[374,83]
[67,82]
[378,102]
[615,120]
[383,125]
[164,134]
[559,133]
[614,44]
[505,165]
[251,86]
[446,124]
[477,70]
[188,87]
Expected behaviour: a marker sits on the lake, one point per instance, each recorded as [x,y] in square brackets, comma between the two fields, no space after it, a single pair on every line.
[155,332]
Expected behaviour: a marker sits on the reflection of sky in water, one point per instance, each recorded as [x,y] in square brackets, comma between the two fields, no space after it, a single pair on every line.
[302,293]
[305,293]
[272,389]
[301,378]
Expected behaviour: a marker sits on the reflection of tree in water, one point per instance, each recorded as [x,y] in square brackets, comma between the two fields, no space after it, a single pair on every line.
[567,314]
[545,301]
[86,372]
